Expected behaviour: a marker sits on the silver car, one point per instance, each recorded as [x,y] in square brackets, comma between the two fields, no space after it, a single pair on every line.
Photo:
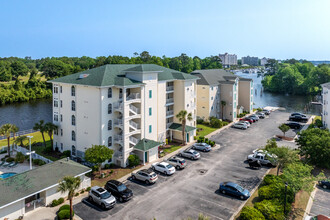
[240,125]
[247,123]
[189,153]
[177,162]
[101,197]
[202,146]
[147,176]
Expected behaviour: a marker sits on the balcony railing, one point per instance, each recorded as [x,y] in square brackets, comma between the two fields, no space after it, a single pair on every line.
[118,154]
[168,125]
[134,109]
[118,138]
[118,122]
[133,140]
[118,106]
[133,96]
[169,88]
[170,112]
[169,100]
[134,124]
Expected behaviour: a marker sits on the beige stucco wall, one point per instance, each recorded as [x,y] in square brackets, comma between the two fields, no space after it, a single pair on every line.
[214,101]
[161,113]
[245,94]
[13,211]
[227,95]
[326,107]
[203,104]
[153,154]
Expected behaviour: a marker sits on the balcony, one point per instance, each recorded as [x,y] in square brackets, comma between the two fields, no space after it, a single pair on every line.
[118,106]
[169,88]
[169,113]
[118,139]
[118,154]
[134,125]
[118,122]
[133,96]
[169,101]
[168,125]
[133,140]
[134,110]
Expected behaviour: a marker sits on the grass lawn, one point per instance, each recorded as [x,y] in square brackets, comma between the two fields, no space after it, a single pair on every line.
[171,149]
[205,130]
[301,200]
[24,79]
[36,138]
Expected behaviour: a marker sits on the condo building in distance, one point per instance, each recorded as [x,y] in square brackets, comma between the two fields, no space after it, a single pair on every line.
[228,60]
[252,61]
[222,94]
[130,108]
[326,105]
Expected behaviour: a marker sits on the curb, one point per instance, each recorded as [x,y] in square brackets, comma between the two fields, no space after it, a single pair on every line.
[310,201]
[243,204]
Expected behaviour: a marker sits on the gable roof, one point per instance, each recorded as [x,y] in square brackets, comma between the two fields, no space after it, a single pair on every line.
[213,76]
[30,182]
[146,144]
[178,127]
[114,75]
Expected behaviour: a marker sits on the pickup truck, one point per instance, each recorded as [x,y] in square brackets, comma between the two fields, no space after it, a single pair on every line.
[264,158]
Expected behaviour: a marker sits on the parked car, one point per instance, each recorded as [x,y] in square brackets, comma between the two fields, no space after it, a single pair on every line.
[177,162]
[298,113]
[264,158]
[163,167]
[234,189]
[317,217]
[256,116]
[240,125]
[202,146]
[260,115]
[266,112]
[190,153]
[294,125]
[119,190]
[247,119]
[101,197]
[147,176]
[325,184]
[247,123]
[298,118]
[251,118]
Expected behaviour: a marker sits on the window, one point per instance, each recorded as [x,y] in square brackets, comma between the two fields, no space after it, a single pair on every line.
[55,117]
[73,91]
[61,103]
[150,94]
[61,132]
[56,132]
[61,146]
[120,93]
[212,88]
[61,117]
[150,128]
[110,125]
[212,98]
[110,93]
[212,108]
[73,120]
[73,105]
[150,111]
[110,108]
[55,89]
[109,141]
[73,150]
[55,103]
[73,135]
[60,89]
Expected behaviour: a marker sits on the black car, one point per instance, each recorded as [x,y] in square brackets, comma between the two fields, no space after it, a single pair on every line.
[266,112]
[298,118]
[294,125]
[297,113]
[325,184]
[119,190]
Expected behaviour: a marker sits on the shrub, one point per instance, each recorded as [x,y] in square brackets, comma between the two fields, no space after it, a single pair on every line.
[206,123]
[64,207]
[199,121]
[107,166]
[88,189]
[251,213]
[195,138]
[3,152]
[271,209]
[77,194]
[166,141]
[82,191]
[64,214]
[201,139]
[95,168]
[20,157]
[212,143]
[133,160]
[270,179]
[67,153]
[276,191]
[224,123]
[215,123]
[318,123]
[10,159]
[38,162]
[27,157]
[57,202]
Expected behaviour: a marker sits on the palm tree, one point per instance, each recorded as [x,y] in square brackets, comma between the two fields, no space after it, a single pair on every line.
[41,127]
[49,128]
[14,130]
[69,184]
[6,130]
[19,140]
[223,104]
[183,116]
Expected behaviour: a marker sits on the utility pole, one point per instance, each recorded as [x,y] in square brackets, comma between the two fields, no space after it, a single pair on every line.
[31,152]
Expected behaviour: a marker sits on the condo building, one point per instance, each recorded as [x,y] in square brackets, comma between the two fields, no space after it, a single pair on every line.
[228,59]
[129,108]
[222,94]
[326,105]
[263,61]
[252,61]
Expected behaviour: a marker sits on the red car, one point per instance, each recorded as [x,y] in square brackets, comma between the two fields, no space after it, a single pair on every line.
[247,119]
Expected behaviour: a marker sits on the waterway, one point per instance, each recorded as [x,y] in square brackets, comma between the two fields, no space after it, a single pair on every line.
[25,115]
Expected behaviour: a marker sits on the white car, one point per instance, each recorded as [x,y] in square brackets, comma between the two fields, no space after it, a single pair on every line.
[240,125]
[264,158]
[163,167]
[247,123]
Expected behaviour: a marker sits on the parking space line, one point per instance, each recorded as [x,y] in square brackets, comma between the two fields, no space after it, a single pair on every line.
[208,214]
[217,204]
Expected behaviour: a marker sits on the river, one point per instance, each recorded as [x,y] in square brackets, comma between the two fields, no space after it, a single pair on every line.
[25,115]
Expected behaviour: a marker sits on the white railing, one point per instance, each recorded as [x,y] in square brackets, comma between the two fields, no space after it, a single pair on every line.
[169,88]
[118,105]
[118,154]
[170,112]
[133,140]
[169,100]
[118,122]
[134,109]
[168,125]
[34,155]
[19,133]
[134,124]
[133,96]
[118,137]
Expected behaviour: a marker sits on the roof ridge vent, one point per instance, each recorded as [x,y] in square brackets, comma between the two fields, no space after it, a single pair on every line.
[83,75]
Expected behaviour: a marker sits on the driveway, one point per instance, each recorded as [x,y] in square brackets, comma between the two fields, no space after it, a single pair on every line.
[194,190]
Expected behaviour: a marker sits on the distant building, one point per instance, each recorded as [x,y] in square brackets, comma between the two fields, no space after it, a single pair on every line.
[228,59]
[326,104]
[252,61]
[263,61]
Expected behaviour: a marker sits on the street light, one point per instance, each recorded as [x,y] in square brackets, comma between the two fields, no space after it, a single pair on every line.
[31,152]
[286,188]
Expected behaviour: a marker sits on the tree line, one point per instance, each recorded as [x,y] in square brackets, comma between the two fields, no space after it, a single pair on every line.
[294,77]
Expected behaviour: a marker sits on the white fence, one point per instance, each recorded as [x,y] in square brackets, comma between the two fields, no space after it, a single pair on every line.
[19,133]
[34,156]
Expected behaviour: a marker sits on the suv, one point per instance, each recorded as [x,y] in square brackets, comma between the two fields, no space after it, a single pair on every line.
[297,113]
[147,176]
[177,162]
[302,118]
[163,167]
[294,125]
[101,197]
[260,115]
[119,190]
[264,158]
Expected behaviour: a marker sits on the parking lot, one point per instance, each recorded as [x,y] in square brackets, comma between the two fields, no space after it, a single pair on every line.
[194,190]
[321,202]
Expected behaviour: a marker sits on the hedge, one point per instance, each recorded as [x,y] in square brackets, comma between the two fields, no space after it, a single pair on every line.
[133,160]
[64,214]
[64,207]
[57,202]
[250,213]
[271,209]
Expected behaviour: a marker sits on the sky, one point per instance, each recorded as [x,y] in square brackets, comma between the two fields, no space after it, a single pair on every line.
[280,29]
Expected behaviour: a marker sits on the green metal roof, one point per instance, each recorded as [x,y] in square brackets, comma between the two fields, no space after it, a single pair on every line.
[178,127]
[146,144]
[213,76]
[33,181]
[114,75]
